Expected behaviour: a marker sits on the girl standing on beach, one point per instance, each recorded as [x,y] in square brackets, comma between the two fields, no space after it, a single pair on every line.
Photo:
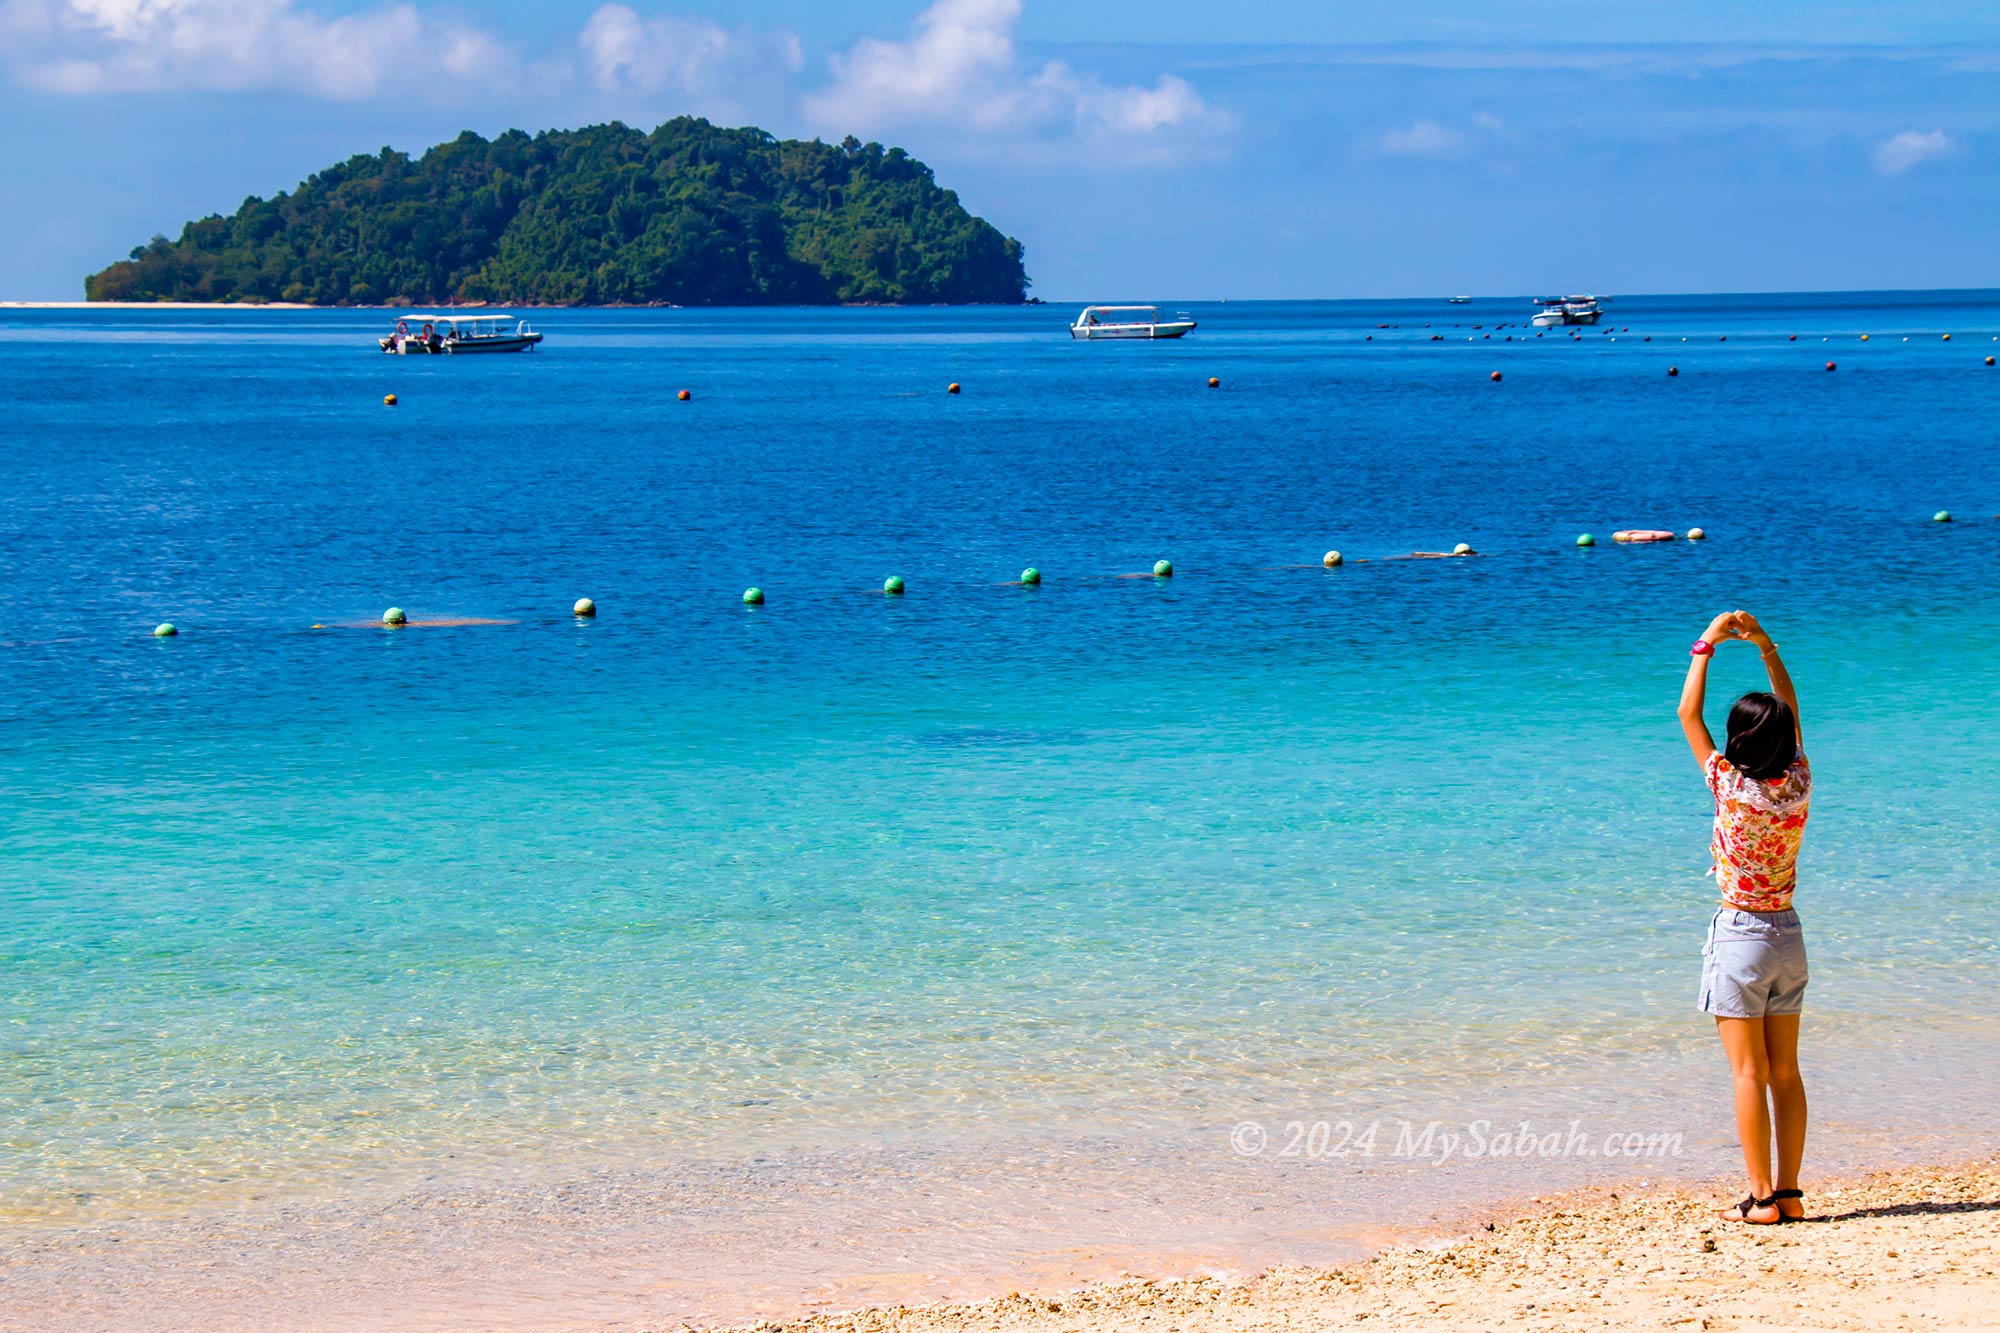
[1753,976]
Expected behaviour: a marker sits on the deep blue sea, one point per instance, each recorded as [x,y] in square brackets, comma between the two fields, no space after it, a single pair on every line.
[299,913]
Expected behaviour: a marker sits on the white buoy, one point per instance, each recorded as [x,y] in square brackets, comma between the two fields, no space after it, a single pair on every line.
[584,607]
[1463,548]
[1696,534]
[1330,559]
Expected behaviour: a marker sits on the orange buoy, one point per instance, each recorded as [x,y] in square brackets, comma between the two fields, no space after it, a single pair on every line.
[1495,377]
[1864,337]
[1829,365]
[1989,360]
[953,388]
[1947,337]
[389,399]
[1214,383]
[684,395]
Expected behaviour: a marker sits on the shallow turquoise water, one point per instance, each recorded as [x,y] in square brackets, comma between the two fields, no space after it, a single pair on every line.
[311,910]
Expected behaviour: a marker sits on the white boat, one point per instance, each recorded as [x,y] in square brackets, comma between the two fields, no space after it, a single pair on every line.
[1127,321]
[1559,310]
[420,335]
[1459,300]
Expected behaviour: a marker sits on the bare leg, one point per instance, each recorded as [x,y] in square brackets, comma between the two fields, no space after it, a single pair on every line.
[1743,1043]
[1788,1103]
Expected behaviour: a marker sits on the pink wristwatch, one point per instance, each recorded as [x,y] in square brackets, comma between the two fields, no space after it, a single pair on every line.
[1702,648]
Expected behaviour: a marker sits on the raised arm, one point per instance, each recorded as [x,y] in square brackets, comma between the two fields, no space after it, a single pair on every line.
[1696,686]
[1774,667]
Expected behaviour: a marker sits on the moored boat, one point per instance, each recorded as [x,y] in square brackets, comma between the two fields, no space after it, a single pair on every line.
[419,335]
[1127,321]
[1559,310]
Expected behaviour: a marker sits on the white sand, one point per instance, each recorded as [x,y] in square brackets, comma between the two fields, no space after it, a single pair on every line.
[1906,1249]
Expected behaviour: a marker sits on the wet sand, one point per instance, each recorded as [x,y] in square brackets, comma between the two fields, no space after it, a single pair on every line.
[1917,1247]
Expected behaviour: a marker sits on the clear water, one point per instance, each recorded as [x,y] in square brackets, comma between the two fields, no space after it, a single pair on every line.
[317,915]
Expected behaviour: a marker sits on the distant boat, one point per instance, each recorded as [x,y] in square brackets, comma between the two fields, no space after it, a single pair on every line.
[1127,321]
[419,335]
[1560,310]
[1460,300]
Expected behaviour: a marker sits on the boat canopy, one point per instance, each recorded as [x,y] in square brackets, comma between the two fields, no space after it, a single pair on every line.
[1090,313]
[456,319]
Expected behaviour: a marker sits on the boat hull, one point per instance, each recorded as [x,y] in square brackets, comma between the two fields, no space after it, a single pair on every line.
[1092,333]
[520,344]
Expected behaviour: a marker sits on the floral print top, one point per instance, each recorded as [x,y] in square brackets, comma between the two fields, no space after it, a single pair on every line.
[1758,827]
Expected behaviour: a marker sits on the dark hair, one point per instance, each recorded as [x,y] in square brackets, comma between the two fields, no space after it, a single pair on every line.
[1763,738]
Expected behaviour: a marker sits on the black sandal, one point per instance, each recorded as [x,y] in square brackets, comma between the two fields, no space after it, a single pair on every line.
[1800,1195]
[1752,1201]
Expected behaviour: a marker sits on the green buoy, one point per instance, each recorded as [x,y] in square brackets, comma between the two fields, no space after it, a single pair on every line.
[893,585]
[1031,575]
[164,630]
[1941,516]
[753,597]
[1163,569]
[1586,540]
[394,616]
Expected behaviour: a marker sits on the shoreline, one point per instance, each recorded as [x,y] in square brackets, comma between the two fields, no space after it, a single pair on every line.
[498,305]
[1873,1249]
[168,305]
[1062,1255]
[913,1233]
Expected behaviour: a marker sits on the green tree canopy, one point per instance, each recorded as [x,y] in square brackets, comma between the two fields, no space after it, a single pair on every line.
[692,214]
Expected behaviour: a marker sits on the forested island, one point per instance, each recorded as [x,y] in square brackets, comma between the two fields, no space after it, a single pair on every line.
[690,214]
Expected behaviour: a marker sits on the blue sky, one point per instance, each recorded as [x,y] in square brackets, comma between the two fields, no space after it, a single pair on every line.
[1272,148]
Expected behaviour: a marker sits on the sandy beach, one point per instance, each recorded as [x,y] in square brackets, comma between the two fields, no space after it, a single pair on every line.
[1916,1248]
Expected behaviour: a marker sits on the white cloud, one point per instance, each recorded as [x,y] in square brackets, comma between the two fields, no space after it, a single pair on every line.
[1895,156]
[1101,108]
[110,46]
[1425,138]
[696,60]
[959,67]
[1429,138]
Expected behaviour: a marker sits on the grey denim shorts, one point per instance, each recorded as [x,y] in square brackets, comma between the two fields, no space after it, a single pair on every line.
[1754,964]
